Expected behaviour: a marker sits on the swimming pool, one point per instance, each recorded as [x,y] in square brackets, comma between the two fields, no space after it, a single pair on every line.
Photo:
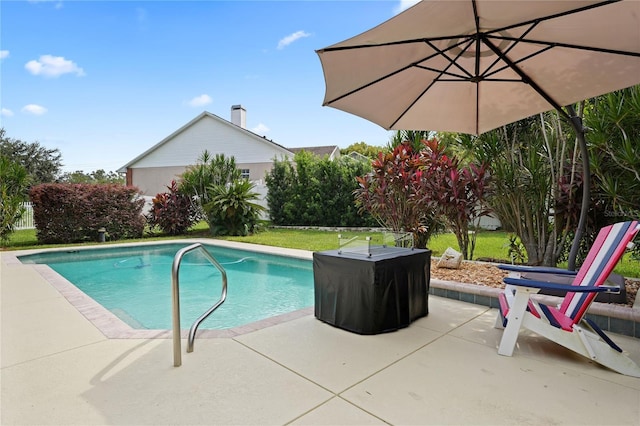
[134,283]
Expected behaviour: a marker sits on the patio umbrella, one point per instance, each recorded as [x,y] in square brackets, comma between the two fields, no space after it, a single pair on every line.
[471,66]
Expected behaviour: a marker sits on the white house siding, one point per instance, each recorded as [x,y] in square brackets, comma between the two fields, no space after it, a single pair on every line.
[257,171]
[153,170]
[152,180]
[215,135]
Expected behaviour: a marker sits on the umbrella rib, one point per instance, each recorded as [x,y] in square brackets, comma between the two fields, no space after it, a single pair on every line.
[453,61]
[526,79]
[477,64]
[569,46]
[506,52]
[452,74]
[517,62]
[422,94]
[415,64]
[392,43]
[555,15]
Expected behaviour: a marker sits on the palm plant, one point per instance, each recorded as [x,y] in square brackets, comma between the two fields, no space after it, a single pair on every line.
[210,172]
[232,209]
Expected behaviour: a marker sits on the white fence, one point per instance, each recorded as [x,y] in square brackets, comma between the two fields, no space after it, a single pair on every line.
[26,221]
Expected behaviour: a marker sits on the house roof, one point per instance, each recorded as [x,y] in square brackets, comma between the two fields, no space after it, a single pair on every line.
[320,151]
[190,124]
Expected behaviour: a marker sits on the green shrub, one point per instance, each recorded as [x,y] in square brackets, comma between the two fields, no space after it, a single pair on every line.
[232,210]
[315,192]
[66,213]
[13,192]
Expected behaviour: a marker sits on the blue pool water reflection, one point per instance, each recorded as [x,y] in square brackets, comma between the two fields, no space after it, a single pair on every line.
[135,283]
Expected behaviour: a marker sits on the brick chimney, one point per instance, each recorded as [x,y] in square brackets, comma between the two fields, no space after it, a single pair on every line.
[239,116]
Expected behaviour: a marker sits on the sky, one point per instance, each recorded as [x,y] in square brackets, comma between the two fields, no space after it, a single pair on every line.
[103,81]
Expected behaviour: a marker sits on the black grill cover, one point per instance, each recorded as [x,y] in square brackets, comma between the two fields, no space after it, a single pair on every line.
[371,294]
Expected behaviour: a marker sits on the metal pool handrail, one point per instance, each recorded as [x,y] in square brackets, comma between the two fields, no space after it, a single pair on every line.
[175,296]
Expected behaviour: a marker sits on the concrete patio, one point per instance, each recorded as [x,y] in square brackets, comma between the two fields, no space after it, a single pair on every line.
[59,368]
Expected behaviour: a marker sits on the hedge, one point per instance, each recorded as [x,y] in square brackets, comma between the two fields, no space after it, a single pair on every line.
[67,213]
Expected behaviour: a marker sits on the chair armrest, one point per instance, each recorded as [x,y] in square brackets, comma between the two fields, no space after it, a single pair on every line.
[537,269]
[561,287]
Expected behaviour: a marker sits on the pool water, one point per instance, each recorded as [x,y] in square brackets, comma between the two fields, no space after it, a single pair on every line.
[135,283]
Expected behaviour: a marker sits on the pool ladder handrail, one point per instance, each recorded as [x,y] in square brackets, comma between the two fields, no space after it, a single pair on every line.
[175,296]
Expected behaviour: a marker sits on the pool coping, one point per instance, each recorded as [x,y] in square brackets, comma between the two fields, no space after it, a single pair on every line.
[610,317]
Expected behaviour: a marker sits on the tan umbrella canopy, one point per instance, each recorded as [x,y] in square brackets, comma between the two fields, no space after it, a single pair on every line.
[471,66]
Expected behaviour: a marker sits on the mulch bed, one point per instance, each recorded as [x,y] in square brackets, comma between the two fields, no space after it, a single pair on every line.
[489,275]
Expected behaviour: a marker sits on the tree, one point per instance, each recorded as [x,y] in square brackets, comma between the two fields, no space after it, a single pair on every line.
[281,188]
[412,137]
[98,176]
[14,182]
[315,191]
[362,148]
[42,164]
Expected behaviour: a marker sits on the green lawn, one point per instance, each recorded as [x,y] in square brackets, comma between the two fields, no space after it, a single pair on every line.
[489,245]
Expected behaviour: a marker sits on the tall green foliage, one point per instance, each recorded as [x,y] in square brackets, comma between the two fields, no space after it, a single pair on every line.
[413,138]
[42,164]
[13,193]
[98,176]
[209,172]
[224,199]
[535,181]
[232,209]
[315,191]
[281,186]
[613,121]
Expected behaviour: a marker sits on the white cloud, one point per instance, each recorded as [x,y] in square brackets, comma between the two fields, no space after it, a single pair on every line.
[6,112]
[199,101]
[4,54]
[141,14]
[291,38]
[260,129]
[34,109]
[404,4]
[53,66]
[57,5]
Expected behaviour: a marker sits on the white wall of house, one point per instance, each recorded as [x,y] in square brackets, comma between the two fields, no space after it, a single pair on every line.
[215,135]
[153,180]
[153,170]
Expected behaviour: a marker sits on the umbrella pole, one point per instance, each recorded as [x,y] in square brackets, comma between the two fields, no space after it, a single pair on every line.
[586,186]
